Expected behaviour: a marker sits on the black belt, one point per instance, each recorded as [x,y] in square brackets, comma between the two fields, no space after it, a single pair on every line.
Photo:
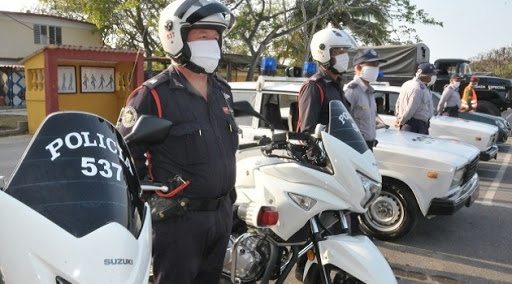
[206,204]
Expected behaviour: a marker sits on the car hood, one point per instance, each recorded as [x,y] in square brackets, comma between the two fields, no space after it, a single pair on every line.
[410,145]
[459,125]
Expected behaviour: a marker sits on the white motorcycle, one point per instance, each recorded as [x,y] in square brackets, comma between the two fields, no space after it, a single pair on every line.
[289,205]
[72,211]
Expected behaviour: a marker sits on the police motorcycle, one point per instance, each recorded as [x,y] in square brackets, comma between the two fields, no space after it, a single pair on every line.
[291,203]
[72,211]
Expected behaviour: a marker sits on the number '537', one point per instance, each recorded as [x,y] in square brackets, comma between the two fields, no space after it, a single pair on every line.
[91,167]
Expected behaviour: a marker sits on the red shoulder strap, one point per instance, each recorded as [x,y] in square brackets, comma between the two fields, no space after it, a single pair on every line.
[298,101]
[156,97]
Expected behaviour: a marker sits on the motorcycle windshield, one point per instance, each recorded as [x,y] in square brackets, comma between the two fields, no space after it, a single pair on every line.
[343,127]
[77,172]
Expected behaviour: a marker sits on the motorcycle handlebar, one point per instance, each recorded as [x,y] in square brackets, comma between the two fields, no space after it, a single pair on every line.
[147,185]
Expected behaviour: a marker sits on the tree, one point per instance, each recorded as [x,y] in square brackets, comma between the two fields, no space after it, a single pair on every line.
[371,22]
[280,28]
[123,23]
[497,61]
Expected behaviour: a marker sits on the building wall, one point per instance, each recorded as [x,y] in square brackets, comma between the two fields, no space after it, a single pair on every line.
[21,25]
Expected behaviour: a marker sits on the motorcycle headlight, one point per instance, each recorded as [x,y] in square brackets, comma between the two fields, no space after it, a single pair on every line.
[304,202]
[457,178]
[371,190]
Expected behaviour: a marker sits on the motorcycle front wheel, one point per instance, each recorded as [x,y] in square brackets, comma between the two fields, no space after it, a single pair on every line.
[335,274]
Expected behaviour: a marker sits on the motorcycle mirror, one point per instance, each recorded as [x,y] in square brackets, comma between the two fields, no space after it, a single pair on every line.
[244,108]
[149,130]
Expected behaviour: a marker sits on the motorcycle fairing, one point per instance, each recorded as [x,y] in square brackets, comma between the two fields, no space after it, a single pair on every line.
[356,255]
[60,217]
[77,172]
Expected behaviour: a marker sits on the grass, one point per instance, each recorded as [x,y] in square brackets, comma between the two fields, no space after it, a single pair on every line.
[10,121]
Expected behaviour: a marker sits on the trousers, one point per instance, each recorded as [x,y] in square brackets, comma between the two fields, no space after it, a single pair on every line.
[191,249]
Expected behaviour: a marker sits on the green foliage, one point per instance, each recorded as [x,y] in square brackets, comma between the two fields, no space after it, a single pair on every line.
[280,28]
[497,62]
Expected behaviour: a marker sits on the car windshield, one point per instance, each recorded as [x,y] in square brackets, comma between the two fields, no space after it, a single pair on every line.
[77,173]
[343,127]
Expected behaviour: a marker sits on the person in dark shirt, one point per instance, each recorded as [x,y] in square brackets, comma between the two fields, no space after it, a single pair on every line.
[200,147]
[329,48]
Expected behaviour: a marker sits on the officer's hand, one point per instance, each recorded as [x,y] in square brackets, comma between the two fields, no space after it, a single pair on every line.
[397,122]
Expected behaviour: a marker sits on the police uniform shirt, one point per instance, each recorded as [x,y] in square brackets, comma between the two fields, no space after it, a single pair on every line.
[311,108]
[362,106]
[449,98]
[414,101]
[202,142]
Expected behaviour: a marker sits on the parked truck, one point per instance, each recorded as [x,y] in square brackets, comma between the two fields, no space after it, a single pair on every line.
[494,93]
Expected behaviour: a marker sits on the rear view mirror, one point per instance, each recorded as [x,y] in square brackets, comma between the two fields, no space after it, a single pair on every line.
[149,130]
[244,108]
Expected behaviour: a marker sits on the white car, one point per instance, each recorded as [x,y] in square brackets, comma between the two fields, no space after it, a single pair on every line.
[421,175]
[481,135]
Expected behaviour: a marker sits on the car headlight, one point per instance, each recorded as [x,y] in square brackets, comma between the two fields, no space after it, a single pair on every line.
[371,190]
[457,178]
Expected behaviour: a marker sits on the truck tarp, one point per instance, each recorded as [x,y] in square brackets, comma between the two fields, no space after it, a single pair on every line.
[402,60]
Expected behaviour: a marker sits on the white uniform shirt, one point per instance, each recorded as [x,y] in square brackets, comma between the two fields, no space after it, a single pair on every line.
[362,107]
[414,101]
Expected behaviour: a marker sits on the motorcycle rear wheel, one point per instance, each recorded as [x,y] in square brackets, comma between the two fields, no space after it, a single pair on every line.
[336,275]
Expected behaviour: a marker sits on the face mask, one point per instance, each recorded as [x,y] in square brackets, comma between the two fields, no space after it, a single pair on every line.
[456,84]
[205,53]
[432,80]
[370,73]
[341,64]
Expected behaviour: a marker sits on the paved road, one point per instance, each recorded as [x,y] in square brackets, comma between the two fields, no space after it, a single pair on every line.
[472,246]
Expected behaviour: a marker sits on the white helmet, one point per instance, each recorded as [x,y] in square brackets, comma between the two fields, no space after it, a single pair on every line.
[180,16]
[324,40]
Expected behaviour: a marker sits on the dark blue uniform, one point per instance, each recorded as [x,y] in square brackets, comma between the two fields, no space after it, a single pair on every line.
[314,104]
[201,148]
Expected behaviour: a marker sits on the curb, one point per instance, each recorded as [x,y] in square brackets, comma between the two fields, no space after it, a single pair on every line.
[22,128]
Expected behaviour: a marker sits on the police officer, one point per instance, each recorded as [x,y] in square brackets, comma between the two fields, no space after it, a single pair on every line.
[200,146]
[359,94]
[469,100]
[449,104]
[414,106]
[329,48]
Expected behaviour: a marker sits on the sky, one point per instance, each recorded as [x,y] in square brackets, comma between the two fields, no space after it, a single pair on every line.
[470,27]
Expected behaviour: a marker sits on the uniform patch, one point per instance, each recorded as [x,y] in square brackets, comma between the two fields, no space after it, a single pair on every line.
[129,116]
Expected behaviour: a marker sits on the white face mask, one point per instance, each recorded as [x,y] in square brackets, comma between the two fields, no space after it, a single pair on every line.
[432,80]
[456,84]
[341,64]
[205,53]
[370,73]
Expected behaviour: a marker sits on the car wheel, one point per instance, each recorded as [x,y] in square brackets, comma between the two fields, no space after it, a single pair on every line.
[393,214]
[488,107]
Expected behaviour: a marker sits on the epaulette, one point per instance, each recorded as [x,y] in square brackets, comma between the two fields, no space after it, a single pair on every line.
[158,79]
[352,85]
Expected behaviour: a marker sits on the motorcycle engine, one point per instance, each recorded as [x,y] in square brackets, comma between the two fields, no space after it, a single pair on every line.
[252,255]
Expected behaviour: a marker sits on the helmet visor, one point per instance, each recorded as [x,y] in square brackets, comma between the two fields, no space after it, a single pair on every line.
[211,13]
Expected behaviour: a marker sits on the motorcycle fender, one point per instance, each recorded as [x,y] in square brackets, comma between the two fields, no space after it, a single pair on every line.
[356,255]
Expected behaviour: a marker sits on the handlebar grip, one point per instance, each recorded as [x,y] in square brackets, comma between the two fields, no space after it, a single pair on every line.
[247,146]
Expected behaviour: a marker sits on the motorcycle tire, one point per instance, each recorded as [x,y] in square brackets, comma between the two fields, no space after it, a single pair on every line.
[393,214]
[336,275]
